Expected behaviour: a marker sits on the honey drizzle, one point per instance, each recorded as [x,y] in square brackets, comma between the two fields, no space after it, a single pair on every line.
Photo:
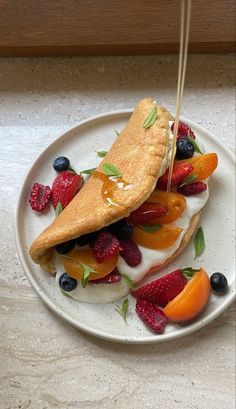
[184,36]
[110,185]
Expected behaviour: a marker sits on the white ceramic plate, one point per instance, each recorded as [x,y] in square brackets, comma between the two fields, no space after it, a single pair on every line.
[79,144]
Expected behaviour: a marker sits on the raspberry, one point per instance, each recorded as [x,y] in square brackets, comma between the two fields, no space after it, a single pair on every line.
[152,316]
[183,131]
[180,171]
[105,247]
[65,187]
[39,197]
[192,189]
[130,253]
[112,278]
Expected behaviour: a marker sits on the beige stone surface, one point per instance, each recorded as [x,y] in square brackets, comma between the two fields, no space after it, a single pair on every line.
[44,363]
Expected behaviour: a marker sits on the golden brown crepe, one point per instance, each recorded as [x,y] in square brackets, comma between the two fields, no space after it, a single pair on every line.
[142,155]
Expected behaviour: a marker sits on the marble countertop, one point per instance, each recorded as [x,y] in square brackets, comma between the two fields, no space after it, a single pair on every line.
[44,363]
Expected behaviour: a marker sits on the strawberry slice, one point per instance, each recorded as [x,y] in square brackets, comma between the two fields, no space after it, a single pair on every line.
[180,171]
[163,290]
[65,187]
[147,212]
[111,278]
[152,316]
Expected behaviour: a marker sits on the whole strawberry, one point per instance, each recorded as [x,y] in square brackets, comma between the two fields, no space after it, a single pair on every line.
[65,187]
[152,316]
[163,290]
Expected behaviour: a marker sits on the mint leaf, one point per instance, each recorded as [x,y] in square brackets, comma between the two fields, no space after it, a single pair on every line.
[101,154]
[86,273]
[117,132]
[188,180]
[88,171]
[150,228]
[72,170]
[188,272]
[128,281]
[151,118]
[199,242]
[123,309]
[195,145]
[111,170]
[58,209]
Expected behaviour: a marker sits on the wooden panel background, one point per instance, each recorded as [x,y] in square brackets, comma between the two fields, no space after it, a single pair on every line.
[75,27]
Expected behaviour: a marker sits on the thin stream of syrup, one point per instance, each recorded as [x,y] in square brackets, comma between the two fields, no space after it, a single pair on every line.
[184,36]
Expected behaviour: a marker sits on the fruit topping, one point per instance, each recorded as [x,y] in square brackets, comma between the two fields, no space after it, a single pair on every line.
[184,131]
[147,212]
[175,204]
[111,278]
[184,149]
[60,164]
[79,260]
[152,316]
[180,171]
[39,197]
[192,189]
[87,239]
[65,187]
[67,283]
[105,247]
[130,253]
[159,239]
[162,290]
[204,165]
[191,300]
[219,282]
[121,229]
[65,247]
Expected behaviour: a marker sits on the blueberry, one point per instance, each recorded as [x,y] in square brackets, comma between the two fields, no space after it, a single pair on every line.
[67,283]
[64,248]
[184,149]
[121,229]
[61,163]
[219,282]
[87,239]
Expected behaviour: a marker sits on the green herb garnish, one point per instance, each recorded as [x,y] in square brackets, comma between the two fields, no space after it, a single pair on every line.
[123,309]
[199,242]
[151,118]
[101,154]
[58,209]
[188,272]
[87,171]
[86,273]
[72,170]
[150,228]
[128,281]
[117,132]
[195,145]
[188,180]
[111,170]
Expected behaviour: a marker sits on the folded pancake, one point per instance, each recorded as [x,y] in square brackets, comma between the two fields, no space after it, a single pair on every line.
[142,155]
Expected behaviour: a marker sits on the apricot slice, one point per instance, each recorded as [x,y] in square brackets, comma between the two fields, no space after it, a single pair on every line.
[175,204]
[74,269]
[191,300]
[157,240]
[203,166]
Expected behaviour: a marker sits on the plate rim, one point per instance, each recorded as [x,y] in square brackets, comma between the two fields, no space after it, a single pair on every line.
[58,310]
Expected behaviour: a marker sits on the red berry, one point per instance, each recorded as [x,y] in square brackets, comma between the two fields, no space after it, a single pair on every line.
[147,212]
[163,290]
[112,278]
[105,247]
[130,252]
[180,171]
[39,197]
[183,131]
[152,316]
[65,187]
[192,189]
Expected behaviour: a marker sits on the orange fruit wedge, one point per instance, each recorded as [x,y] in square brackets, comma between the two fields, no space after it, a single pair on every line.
[74,269]
[175,204]
[204,165]
[157,240]
[191,300]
